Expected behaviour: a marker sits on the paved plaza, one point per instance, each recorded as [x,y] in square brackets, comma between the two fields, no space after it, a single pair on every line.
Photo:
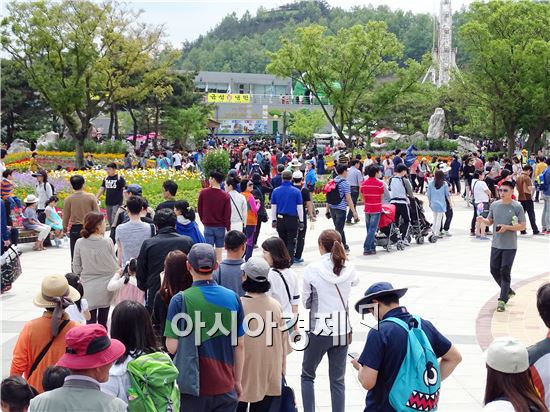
[449,283]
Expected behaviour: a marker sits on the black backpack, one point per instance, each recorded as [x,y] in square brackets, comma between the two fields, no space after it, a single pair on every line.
[333,193]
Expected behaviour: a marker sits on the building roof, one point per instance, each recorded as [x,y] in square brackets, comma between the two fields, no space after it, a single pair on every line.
[254,78]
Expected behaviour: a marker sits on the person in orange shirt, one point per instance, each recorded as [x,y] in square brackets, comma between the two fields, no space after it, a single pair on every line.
[251,217]
[42,340]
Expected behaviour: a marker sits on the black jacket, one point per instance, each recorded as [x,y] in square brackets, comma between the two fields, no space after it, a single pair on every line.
[151,257]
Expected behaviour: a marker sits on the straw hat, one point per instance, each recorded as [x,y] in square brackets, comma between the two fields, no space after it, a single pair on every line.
[55,286]
[30,199]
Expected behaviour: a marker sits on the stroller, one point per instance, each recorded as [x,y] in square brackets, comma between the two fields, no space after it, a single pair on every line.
[419,228]
[388,230]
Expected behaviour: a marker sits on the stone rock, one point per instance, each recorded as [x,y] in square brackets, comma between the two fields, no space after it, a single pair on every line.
[18,146]
[47,139]
[418,136]
[465,144]
[436,125]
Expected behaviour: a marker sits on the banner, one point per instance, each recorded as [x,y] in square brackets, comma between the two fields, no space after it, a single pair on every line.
[240,127]
[228,98]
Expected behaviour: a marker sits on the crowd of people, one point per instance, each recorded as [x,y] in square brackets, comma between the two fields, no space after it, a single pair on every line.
[159,294]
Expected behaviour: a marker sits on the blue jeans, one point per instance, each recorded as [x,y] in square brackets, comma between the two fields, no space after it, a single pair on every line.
[339,219]
[214,236]
[371,220]
[14,201]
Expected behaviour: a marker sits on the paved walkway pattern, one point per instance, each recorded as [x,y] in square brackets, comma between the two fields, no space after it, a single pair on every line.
[449,284]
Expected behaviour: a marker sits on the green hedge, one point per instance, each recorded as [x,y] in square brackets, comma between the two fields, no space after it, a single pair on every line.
[65,145]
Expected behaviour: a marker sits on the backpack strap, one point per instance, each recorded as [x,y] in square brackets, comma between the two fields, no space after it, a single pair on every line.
[403,324]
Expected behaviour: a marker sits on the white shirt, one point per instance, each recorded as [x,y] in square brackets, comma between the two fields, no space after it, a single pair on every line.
[177,159]
[499,406]
[279,292]
[75,314]
[239,208]
[479,187]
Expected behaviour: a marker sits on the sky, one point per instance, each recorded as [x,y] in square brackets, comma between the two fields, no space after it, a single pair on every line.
[186,20]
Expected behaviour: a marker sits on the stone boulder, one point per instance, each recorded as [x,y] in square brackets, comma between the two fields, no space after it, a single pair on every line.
[18,146]
[47,139]
[436,125]
[417,137]
[465,144]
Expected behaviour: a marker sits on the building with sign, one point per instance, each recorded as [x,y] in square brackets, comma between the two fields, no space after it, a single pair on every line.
[244,102]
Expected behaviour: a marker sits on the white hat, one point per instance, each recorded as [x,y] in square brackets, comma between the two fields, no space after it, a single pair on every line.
[507,355]
[297,175]
[30,199]
[295,163]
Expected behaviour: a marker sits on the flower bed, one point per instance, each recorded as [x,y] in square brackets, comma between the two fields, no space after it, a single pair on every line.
[150,180]
[49,160]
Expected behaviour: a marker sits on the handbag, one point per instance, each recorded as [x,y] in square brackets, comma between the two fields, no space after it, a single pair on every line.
[286,402]
[11,266]
[350,333]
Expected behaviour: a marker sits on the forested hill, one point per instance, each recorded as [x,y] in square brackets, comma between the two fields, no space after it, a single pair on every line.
[239,45]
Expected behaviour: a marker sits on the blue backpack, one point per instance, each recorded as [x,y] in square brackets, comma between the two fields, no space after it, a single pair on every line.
[416,386]
[543,184]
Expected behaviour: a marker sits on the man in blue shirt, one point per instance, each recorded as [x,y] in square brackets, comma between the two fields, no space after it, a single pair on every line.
[338,212]
[355,177]
[287,213]
[454,175]
[386,347]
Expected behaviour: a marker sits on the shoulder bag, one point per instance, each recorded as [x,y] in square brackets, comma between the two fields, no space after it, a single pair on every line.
[350,333]
[46,349]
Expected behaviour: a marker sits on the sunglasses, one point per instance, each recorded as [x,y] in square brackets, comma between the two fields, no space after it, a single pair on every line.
[250,184]
[503,190]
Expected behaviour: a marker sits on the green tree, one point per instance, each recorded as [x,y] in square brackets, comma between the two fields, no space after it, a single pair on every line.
[343,67]
[508,69]
[24,114]
[77,54]
[181,124]
[304,123]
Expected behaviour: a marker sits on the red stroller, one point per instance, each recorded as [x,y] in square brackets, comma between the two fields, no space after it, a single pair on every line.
[388,229]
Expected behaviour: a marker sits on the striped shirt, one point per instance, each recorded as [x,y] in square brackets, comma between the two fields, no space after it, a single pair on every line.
[372,190]
[343,189]
[6,188]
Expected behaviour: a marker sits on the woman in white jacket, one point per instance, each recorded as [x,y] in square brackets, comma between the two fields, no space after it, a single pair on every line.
[327,286]
[239,208]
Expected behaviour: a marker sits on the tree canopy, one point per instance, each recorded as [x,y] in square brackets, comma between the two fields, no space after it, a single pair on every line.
[509,72]
[81,56]
[241,44]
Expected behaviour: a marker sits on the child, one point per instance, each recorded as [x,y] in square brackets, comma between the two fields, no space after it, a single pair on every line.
[30,221]
[79,310]
[125,284]
[186,224]
[54,220]
[54,377]
[6,189]
[16,394]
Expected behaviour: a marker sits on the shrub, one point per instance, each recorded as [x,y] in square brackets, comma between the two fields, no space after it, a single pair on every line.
[216,160]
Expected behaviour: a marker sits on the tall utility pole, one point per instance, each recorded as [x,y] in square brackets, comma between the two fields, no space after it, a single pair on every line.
[444,55]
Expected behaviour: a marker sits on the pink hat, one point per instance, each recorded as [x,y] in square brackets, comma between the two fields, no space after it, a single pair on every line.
[89,346]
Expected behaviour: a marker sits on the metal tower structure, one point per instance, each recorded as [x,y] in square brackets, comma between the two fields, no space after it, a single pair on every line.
[444,55]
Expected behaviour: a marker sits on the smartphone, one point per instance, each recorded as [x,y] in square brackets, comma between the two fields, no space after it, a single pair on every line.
[353,355]
[498,227]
